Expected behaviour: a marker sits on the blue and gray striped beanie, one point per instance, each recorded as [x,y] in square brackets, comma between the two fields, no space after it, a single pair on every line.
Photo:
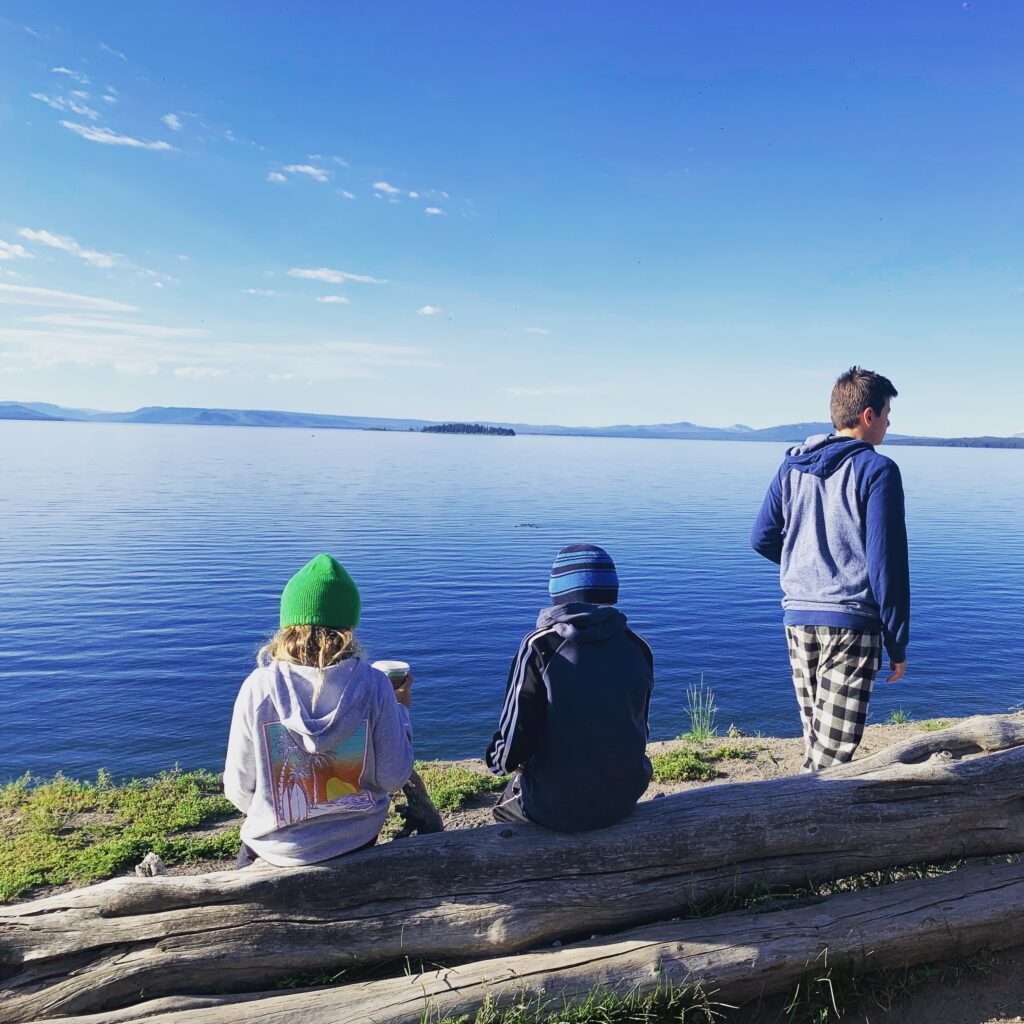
[585,573]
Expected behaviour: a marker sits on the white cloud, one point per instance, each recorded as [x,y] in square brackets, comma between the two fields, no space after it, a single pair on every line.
[76,75]
[537,330]
[112,138]
[184,259]
[559,390]
[67,244]
[414,195]
[25,296]
[67,105]
[333,299]
[429,311]
[316,173]
[333,276]
[383,186]
[435,211]
[140,369]
[103,323]
[200,372]
[13,251]
[276,177]
[110,96]
[340,161]
[110,49]
[267,293]
[172,121]
[346,194]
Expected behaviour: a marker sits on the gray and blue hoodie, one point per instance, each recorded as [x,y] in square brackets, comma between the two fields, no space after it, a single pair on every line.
[312,774]
[833,519]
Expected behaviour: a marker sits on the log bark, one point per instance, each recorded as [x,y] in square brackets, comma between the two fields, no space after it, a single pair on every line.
[734,958]
[502,889]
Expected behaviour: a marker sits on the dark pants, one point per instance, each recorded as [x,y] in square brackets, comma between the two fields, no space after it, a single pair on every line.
[510,804]
[247,856]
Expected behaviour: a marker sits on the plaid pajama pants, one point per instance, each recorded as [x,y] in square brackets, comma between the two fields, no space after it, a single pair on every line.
[833,671]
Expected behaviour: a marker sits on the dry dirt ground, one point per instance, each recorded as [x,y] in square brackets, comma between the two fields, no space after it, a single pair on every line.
[995,997]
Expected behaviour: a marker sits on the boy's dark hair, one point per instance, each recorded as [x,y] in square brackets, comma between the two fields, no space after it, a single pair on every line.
[855,391]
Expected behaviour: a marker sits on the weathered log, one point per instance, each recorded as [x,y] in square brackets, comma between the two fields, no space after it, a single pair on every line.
[503,889]
[734,958]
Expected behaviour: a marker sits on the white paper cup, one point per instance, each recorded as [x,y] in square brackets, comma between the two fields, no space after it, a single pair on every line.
[396,671]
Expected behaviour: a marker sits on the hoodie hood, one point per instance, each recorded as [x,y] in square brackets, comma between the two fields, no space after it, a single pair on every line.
[582,623]
[344,697]
[822,454]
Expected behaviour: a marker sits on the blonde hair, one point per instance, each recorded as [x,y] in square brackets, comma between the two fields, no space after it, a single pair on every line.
[318,647]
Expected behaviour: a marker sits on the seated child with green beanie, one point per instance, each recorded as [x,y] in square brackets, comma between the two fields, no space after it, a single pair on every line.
[318,738]
[576,705]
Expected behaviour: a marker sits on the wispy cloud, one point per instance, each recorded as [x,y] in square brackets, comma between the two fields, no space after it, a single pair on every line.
[310,171]
[435,211]
[13,251]
[383,186]
[333,299]
[76,75]
[537,330]
[110,95]
[346,193]
[111,50]
[200,372]
[429,311]
[172,121]
[333,276]
[276,177]
[67,106]
[67,244]
[559,391]
[267,293]
[102,323]
[23,295]
[111,138]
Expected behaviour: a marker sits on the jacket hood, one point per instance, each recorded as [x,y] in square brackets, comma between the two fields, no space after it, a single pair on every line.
[291,692]
[582,623]
[823,454]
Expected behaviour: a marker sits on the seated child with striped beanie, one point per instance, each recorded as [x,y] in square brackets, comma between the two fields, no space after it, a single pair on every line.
[318,738]
[575,716]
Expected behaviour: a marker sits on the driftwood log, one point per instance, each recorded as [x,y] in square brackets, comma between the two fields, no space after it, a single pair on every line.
[734,958]
[503,889]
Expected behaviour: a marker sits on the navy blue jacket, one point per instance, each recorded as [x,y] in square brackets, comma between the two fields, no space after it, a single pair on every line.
[833,519]
[575,718]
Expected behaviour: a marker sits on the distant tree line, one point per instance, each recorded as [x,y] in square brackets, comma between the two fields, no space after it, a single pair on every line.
[468,428]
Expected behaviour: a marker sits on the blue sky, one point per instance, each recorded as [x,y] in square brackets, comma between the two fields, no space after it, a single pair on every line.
[575,213]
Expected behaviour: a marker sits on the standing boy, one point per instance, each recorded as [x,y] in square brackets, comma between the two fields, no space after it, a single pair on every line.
[833,520]
[576,705]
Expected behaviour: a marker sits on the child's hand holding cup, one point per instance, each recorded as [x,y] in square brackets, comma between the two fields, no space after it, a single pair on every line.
[401,679]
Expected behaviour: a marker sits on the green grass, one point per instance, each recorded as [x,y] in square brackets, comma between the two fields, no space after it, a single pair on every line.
[695,764]
[63,830]
[451,786]
[934,724]
[700,706]
[899,717]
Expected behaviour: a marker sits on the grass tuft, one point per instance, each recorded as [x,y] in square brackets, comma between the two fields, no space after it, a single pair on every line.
[899,717]
[63,830]
[700,706]
[451,786]
[934,724]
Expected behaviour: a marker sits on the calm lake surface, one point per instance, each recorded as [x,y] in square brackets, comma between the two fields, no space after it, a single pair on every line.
[143,565]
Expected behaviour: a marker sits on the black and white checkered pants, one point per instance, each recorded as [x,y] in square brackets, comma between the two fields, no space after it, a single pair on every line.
[833,671]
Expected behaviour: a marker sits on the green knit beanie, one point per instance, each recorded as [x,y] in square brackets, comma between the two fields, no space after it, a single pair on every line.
[321,593]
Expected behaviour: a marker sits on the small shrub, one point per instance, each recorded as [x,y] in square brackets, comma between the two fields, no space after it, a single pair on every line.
[682,765]
[899,717]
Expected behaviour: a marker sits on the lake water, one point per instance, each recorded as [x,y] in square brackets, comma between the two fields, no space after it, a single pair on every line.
[143,565]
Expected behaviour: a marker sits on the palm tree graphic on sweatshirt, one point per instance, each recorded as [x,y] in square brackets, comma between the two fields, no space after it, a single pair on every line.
[307,783]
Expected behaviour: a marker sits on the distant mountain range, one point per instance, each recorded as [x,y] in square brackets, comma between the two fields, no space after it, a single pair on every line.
[791,432]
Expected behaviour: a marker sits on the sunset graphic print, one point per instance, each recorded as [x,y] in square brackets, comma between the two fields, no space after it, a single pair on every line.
[308,784]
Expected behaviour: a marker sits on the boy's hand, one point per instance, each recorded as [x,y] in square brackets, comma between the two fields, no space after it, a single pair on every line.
[403,693]
[898,669]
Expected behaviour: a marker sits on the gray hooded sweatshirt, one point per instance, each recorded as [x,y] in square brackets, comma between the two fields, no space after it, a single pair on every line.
[313,780]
